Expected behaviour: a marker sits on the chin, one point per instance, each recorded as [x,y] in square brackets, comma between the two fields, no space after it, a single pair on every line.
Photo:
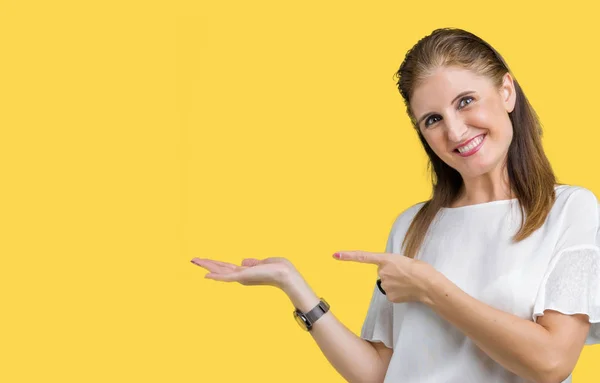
[478,170]
[471,174]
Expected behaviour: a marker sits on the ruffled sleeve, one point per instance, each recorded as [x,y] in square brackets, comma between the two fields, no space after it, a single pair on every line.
[571,283]
[378,325]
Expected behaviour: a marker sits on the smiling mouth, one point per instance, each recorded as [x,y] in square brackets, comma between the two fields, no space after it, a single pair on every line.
[472,147]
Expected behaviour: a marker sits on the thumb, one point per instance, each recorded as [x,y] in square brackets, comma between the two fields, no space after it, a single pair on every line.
[273,260]
[253,261]
[250,262]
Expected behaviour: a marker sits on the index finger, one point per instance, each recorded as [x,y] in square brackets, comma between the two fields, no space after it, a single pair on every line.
[360,256]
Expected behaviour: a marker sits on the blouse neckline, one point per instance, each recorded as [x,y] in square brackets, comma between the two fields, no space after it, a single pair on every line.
[490,203]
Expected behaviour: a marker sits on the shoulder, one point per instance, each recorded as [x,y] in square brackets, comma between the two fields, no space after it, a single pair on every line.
[575,208]
[400,227]
[404,219]
[573,197]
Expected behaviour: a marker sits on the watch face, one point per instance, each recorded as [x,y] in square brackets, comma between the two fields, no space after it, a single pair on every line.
[301,320]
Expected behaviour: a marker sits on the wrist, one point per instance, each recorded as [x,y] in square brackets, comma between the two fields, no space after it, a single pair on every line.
[289,279]
[299,292]
[431,281]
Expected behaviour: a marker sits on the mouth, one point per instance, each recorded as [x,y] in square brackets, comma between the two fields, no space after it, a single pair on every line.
[471,147]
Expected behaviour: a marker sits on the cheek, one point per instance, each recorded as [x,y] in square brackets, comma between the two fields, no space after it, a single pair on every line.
[437,142]
[492,118]
[481,117]
[502,128]
[433,139]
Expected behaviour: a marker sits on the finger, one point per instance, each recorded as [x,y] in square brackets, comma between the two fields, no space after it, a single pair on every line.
[230,277]
[225,264]
[360,256]
[199,261]
[211,265]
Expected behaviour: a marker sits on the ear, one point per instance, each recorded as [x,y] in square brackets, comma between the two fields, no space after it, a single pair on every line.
[508,92]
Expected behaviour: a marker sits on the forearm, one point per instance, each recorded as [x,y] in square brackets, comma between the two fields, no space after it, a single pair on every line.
[519,345]
[353,357]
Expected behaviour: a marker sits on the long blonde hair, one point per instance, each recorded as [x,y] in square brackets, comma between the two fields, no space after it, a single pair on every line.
[530,174]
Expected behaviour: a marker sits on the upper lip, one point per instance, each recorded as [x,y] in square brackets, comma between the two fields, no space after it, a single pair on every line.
[467,141]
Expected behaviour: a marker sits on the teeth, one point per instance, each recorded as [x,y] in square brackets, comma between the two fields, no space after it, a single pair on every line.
[473,144]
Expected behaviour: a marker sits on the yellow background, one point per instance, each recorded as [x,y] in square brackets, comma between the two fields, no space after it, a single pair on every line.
[137,135]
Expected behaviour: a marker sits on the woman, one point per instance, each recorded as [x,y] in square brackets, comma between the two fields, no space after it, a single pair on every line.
[468,291]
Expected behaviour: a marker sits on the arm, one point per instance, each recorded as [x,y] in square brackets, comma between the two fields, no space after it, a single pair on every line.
[356,359]
[544,352]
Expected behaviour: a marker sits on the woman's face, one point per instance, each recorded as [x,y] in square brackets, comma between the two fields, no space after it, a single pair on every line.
[464,119]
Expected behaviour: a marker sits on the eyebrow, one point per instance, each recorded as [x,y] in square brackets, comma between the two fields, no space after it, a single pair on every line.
[461,94]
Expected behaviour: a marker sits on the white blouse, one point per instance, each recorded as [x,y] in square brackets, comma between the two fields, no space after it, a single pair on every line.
[557,267]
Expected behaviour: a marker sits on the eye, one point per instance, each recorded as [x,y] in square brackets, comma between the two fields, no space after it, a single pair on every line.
[465,101]
[462,105]
[430,120]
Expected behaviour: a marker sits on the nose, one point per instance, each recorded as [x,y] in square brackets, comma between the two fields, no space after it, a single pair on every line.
[456,129]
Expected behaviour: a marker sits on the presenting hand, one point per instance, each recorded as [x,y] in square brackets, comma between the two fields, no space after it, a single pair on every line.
[272,271]
[402,278]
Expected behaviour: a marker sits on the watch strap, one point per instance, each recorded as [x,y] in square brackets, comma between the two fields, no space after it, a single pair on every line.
[321,308]
[310,317]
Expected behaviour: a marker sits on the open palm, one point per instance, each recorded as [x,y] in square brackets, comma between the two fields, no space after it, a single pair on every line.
[269,271]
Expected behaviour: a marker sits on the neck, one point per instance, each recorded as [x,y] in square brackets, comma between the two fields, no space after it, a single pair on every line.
[493,186]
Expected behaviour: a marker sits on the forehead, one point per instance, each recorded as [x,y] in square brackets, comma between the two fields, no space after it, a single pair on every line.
[442,85]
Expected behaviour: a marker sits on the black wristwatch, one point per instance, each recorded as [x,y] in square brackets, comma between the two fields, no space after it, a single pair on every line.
[379,286]
[306,320]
